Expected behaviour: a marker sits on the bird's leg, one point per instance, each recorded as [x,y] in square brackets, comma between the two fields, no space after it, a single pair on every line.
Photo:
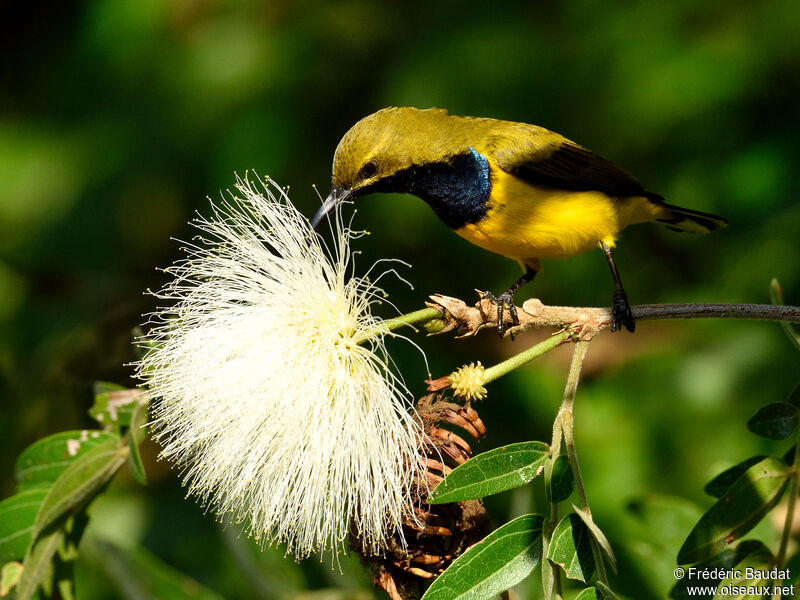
[620,309]
[507,299]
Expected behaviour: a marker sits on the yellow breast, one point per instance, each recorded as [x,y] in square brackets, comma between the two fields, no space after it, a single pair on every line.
[527,222]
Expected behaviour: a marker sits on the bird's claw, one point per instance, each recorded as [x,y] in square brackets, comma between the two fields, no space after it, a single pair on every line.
[503,300]
[621,315]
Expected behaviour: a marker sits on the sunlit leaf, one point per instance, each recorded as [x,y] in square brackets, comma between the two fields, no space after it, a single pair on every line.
[496,563]
[79,482]
[17,516]
[42,462]
[494,471]
[737,512]
[135,437]
[113,405]
[548,574]
[722,482]
[775,421]
[588,594]
[37,567]
[570,548]
[9,576]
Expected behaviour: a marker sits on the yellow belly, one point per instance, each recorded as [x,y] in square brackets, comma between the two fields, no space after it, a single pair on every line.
[529,222]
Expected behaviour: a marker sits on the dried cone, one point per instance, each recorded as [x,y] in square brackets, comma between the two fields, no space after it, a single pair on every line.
[443,531]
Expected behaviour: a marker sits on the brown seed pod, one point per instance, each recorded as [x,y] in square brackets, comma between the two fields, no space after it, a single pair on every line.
[440,533]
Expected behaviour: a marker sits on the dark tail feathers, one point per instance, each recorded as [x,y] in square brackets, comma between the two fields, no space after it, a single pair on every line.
[694,221]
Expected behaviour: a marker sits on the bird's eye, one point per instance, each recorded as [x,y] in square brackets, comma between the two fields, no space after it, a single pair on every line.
[368,170]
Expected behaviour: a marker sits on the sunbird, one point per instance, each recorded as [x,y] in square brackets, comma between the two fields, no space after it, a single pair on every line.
[514,189]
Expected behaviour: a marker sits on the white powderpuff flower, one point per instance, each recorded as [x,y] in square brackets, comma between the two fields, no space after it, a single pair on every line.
[271,389]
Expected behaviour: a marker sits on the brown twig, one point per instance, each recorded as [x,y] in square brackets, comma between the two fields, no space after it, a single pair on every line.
[587,321]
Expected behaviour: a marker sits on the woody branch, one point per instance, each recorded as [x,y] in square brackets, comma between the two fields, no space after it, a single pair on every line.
[468,319]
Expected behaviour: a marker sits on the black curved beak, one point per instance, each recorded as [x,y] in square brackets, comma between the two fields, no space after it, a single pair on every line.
[336,197]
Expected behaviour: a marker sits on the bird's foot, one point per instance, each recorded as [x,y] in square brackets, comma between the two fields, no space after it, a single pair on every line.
[506,299]
[621,315]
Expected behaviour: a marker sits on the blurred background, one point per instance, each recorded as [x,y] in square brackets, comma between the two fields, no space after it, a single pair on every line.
[118,118]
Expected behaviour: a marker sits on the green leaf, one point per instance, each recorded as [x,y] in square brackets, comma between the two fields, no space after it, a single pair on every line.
[64,578]
[17,516]
[495,471]
[794,397]
[760,560]
[267,568]
[138,574]
[113,405]
[74,529]
[79,482]
[561,481]
[598,535]
[41,463]
[135,463]
[737,512]
[793,565]
[37,568]
[571,548]
[712,570]
[775,421]
[496,563]
[789,456]
[588,594]
[776,295]
[722,482]
[652,556]
[9,577]
[605,591]
[135,436]
[548,576]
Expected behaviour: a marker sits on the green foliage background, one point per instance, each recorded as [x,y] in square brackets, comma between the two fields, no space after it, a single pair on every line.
[119,117]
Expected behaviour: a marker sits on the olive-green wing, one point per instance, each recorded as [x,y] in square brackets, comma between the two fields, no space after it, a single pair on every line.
[545,158]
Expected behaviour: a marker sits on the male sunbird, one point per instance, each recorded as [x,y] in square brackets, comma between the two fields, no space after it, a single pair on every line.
[511,188]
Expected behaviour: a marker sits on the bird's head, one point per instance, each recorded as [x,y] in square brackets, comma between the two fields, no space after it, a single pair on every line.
[379,147]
